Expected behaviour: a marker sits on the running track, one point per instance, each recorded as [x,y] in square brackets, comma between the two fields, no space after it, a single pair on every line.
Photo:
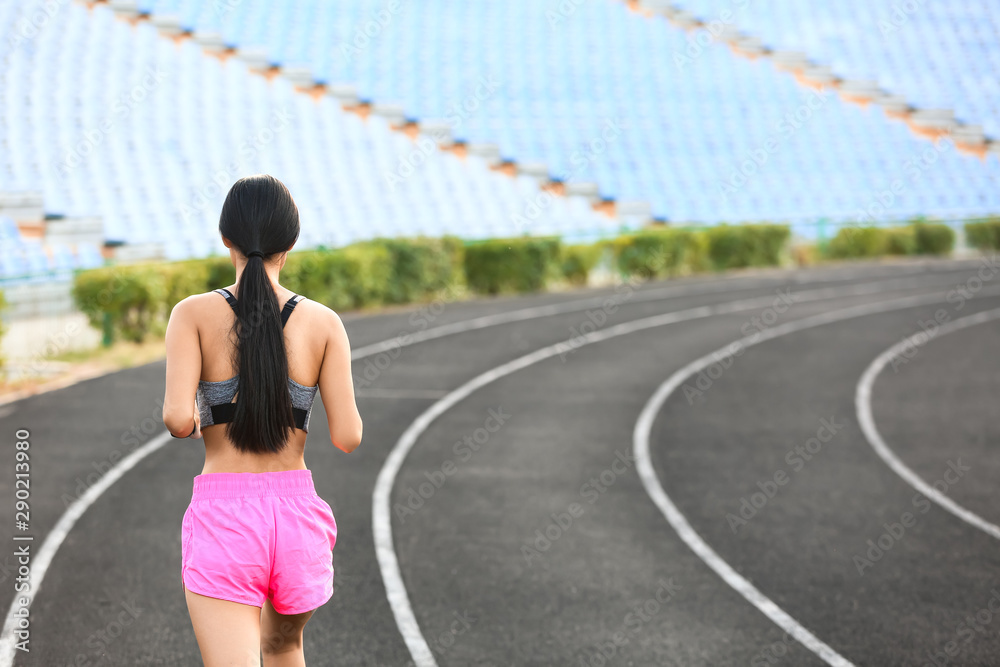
[470,579]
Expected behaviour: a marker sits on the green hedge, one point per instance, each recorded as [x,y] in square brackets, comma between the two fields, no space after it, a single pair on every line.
[345,278]
[132,296]
[137,298]
[742,246]
[656,253]
[376,272]
[511,265]
[984,235]
[853,242]
[933,238]
[577,261]
[195,275]
[421,268]
[919,238]
[896,241]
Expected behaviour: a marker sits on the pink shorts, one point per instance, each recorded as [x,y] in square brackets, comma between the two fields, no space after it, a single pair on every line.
[249,537]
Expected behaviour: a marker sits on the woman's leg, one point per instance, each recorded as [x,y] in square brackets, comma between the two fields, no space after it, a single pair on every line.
[281,637]
[228,633]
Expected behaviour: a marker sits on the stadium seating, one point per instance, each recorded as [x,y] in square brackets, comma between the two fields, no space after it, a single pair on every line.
[29,260]
[567,74]
[939,55]
[109,119]
[593,92]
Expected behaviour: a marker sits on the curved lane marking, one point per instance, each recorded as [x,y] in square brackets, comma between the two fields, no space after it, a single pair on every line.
[385,550]
[57,535]
[863,405]
[647,473]
[54,539]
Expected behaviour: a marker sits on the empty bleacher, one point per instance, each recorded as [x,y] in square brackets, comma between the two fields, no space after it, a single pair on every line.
[112,120]
[939,55]
[566,72]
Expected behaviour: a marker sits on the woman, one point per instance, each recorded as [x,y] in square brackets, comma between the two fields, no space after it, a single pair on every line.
[243,366]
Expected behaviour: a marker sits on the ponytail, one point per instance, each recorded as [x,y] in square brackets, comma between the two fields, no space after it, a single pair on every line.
[260,219]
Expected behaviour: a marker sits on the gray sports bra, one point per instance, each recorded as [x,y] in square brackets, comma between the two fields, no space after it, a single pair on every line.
[215,399]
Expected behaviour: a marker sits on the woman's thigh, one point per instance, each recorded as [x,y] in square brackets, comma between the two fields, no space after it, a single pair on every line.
[281,633]
[228,633]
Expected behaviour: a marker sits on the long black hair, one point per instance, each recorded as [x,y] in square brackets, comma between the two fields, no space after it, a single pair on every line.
[260,219]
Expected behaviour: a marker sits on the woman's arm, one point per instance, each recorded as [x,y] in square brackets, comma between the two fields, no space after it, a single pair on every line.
[180,414]
[336,387]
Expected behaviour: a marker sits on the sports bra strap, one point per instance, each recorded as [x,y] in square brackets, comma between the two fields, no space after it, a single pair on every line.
[230,299]
[286,312]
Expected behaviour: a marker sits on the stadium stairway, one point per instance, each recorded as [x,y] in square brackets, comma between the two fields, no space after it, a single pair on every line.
[154,132]
[695,133]
[631,214]
[927,122]
[38,248]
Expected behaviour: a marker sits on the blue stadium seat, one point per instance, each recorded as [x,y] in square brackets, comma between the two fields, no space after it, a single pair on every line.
[158,132]
[682,136]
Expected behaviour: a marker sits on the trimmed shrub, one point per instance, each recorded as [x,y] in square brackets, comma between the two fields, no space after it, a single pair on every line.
[578,261]
[919,238]
[899,241]
[367,273]
[138,298]
[984,235]
[315,273]
[422,267]
[182,279]
[933,238]
[375,272]
[342,279]
[135,300]
[741,246]
[511,265]
[134,296]
[856,242]
[655,253]
[668,252]
[221,272]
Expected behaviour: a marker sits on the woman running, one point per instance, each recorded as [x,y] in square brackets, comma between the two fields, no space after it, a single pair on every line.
[243,367]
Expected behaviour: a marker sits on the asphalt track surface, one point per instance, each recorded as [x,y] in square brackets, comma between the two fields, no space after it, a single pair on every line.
[492,577]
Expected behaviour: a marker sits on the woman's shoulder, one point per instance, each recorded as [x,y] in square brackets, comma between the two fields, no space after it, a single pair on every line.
[318,313]
[318,324]
[197,304]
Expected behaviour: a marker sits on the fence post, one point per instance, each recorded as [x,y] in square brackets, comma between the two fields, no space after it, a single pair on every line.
[821,234]
[107,330]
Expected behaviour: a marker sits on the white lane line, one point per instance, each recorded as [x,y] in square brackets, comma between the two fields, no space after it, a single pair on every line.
[385,550]
[627,295]
[58,534]
[863,405]
[43,558]
[55,538]
[536,312]
[644,463]
[401,393]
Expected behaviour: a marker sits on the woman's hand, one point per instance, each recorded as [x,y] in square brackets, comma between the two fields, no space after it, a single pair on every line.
[196,433]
